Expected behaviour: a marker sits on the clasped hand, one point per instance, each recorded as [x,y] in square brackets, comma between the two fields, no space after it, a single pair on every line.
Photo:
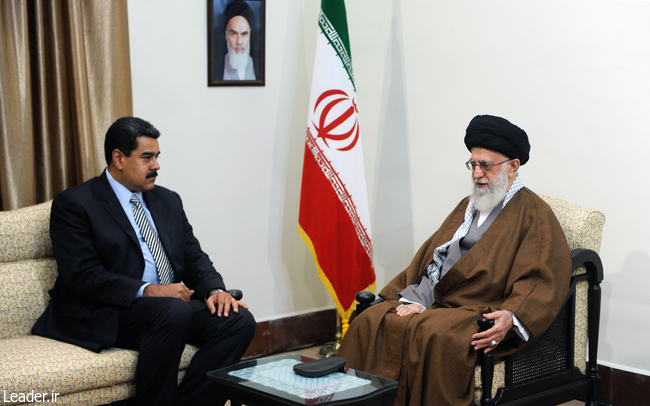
[177,290]
[219,303]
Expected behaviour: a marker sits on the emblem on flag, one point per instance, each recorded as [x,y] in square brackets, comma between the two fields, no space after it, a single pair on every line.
[348,118]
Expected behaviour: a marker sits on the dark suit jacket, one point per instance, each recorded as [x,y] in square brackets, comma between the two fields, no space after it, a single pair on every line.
[100,261]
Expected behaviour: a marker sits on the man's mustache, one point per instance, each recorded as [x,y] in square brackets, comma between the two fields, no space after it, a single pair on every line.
[152,174]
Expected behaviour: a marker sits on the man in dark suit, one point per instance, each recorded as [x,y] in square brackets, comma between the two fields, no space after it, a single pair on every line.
[115,238]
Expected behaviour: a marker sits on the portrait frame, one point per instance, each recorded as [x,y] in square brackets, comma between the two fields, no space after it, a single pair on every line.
[218,46]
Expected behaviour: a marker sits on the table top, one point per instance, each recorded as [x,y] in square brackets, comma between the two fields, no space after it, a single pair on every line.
[274,377]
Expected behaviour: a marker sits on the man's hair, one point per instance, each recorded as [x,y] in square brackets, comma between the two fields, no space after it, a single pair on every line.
[123,135]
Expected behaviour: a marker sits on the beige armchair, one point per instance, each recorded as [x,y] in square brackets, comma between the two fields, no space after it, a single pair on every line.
[552,368]
[31,365]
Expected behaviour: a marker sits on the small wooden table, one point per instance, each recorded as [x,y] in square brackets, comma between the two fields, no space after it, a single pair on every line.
[272,382]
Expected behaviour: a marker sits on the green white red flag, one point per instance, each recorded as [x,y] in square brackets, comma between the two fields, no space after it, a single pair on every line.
[334,218]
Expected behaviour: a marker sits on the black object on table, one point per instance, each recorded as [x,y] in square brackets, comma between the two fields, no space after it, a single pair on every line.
[265,387]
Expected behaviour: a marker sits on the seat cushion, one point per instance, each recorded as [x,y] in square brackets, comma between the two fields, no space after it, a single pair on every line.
[36,362]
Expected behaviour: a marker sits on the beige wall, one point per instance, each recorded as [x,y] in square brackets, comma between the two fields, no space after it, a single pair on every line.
[574,75]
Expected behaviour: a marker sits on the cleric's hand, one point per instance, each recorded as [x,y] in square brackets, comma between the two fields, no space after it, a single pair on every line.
[489,339]
[404,309]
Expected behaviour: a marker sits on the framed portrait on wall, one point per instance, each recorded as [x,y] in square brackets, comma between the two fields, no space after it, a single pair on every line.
[236,42]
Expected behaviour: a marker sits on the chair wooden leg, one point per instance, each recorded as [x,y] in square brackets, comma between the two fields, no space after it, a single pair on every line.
[593,330]
[487,376]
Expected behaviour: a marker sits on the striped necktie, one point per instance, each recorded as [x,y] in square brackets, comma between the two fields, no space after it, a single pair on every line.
[164,267]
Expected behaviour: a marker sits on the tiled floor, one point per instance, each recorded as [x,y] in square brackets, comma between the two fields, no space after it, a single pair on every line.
[314,352]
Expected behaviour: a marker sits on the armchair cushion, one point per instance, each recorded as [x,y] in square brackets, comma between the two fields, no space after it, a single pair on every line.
[27,362]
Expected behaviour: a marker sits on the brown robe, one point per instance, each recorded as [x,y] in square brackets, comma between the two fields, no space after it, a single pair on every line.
[522,264]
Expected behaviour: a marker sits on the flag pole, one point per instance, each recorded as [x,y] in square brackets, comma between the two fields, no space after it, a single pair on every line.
[332,350]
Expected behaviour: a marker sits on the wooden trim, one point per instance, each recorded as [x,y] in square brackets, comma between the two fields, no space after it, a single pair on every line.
[622,388]
[293,332]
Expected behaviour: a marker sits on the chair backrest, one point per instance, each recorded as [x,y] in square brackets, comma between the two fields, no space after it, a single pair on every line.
[582,227]
[27,268]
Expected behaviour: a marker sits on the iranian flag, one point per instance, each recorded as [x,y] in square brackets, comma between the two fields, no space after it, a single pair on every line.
[334,219]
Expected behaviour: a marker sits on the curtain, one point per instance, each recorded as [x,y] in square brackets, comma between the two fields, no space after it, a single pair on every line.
[65,76]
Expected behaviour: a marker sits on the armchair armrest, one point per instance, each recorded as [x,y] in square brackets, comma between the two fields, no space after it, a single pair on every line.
[236,294]
[485,324]
[366,299]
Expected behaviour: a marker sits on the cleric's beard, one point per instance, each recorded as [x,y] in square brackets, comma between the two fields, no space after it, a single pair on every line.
[487,199]
[238,61]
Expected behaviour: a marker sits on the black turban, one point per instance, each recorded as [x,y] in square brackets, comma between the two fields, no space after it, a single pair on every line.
[238,8]
[498,134]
